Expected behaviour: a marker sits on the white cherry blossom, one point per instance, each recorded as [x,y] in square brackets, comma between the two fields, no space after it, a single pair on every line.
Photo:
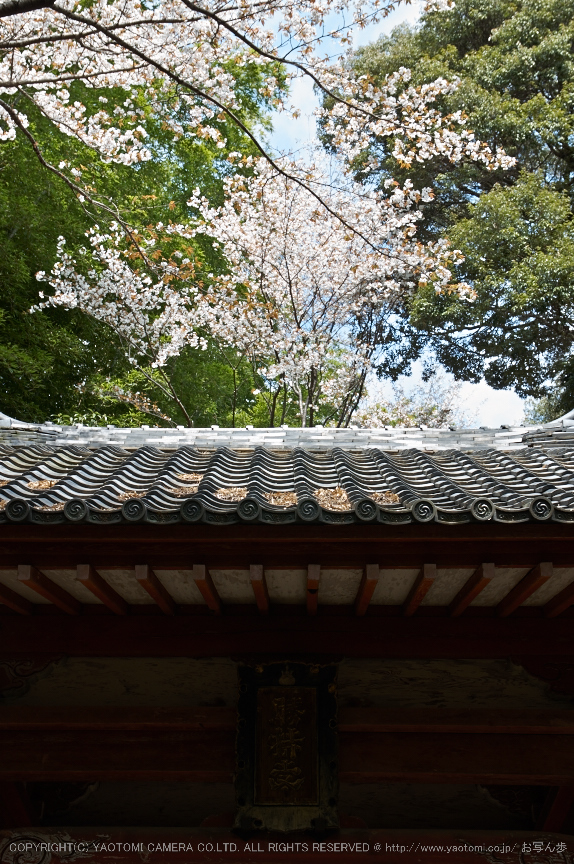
[303,291]
[313,261]
[180,53]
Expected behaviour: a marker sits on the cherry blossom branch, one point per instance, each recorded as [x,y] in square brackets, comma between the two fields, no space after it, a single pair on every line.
[78,190]
[72,37]
[231,114]
[273,57]
[18,7]
[85,76]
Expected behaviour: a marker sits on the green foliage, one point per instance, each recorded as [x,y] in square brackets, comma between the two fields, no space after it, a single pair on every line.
[41,356]
[515,62]
[96,418]
[54,363]
[519,248]
[538,411]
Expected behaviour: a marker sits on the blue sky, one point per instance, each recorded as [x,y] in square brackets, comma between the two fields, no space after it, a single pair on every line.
[489,407]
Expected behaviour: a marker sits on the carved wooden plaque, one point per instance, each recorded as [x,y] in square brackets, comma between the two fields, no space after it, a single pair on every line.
[286,776]
[286,757]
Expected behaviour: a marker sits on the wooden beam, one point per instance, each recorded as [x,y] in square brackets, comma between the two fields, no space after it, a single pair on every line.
[68,756]
[91,579]
[259,585]
[15,602]
[210,758]
[421,587]
[557,808]
[313,579]
[560,603]
[61,546]
[417,747]
[414,721]
[433,757]
[150,583]
[206,587]
[195,633]
[476,583]
[113,718]
[525,588]
[37,581]
[369,582]
[448,721]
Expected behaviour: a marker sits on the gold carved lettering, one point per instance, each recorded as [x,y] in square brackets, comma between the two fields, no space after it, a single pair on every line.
[286,747]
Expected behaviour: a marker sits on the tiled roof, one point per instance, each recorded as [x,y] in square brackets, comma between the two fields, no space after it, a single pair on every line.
[282,438]
[48,484]
[51,473]
[549,439]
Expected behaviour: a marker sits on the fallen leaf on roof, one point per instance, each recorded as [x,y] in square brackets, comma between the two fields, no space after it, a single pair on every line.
[182,491]
[2,503]
[41,484]
[193,478]
[333,499]
[130,493]
[282,499]
[232,493]
[387,497]
[52,507]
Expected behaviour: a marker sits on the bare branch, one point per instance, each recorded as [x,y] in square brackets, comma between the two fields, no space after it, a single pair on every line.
[17,7]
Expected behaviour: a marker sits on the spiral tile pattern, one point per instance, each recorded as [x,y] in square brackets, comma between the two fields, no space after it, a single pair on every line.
[46,484]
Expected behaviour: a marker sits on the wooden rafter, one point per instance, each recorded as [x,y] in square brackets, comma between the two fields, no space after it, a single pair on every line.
[476,583]
[560,602]
[369,582]
[530,583]
[150,583]
[206,587]
[91,579]
[14,601]
[422,585]
[259,585]
[41,584]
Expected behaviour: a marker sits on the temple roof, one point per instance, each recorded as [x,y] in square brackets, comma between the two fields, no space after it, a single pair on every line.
[47,485]
[51,473]
[281,438]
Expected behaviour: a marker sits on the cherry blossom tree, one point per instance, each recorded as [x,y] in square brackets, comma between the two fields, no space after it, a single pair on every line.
[310,261]
[434,404]
[302,295]
[317,289]
[151,298]
[183,53]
